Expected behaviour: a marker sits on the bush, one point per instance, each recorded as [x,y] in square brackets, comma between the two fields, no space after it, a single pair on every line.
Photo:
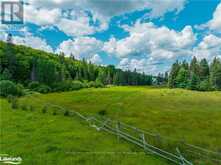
[96,84]
[33,85]
[76,85]
[43,89]
[99,84]
[62,86]
[9,88]
[68,85]
[91,84]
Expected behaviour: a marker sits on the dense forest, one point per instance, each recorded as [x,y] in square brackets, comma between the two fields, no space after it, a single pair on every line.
[46,72]
[198,75]
[33,68]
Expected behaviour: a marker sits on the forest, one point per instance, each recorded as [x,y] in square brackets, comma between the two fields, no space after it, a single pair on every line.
[198,75]
[24,67]
[47,72]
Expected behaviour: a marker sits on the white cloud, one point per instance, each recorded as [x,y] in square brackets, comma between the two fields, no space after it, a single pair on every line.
[215,23]
[34,42]
[76,27]
[142,65]
[51,12]
[95,59]
[42,16]
[208,48]
[145,39]
[82,47]
[110,8]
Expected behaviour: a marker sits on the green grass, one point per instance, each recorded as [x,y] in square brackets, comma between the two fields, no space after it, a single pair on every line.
[46,139]
[189,115]
[181,114]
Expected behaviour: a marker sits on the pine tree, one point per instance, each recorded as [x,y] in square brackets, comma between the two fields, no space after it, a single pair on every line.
[173,74]
[215,74]
[194,81]
[182,78]
[204,69]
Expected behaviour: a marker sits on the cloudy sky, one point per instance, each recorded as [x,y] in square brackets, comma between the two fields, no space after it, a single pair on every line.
[148,35]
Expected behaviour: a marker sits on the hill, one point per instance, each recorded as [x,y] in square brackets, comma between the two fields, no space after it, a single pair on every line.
[25,65]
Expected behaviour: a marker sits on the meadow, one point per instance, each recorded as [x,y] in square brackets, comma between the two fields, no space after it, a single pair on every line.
[194,117]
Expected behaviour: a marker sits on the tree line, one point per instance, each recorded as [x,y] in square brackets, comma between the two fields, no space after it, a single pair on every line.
[196,75]
[25,65]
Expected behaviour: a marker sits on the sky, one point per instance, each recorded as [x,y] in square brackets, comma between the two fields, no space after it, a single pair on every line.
[148,35]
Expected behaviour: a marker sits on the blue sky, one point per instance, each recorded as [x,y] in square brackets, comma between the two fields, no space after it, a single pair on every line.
[148,35]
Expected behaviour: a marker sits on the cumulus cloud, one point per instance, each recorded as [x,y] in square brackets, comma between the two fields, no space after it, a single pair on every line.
[215,23]
[33,41]
[145,39]
[110,8]
[208,48]
[142,65]
[95,59]
[82,47]
[50,12]
[42,16]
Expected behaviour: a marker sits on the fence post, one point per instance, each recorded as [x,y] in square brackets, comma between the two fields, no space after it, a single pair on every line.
[144,141]
[117,130]
[182,159]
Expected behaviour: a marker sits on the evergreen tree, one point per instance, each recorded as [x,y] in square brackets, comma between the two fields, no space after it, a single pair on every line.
[215,74]
[194,81]
[204,69]
[173,74]
[182,78]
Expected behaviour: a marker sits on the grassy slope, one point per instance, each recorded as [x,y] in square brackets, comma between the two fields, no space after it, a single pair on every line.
[176,113]
[46,139]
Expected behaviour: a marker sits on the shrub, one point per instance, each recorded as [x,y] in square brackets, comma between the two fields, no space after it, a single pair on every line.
[20,90]
[14,103]
[9,88]
[62,86]
[76,85]
[91,84]
[33,85]
[66,113]
[68,85]
[99,84]
[96,84]
[43,89]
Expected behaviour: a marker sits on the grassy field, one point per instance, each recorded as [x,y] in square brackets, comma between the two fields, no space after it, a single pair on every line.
[46,139]
[191,116]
